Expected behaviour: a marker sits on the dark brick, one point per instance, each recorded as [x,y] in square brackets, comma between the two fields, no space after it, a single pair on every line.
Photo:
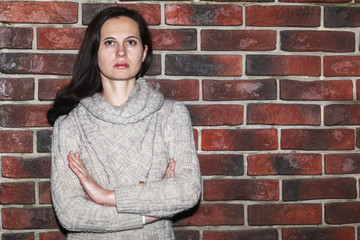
[52,236]
[155,65]
[15,167]
[328,233]
[358,137]
[342,114]
[29,218]
[317,139]
[16,89]
[24,115]
[150,12]
[226,214]
[342,212]
[181,90]
[44,193]
[317,41]
[18,236]
[19,141]
[59,38]
[283,114]
[238,40]
[17,193]
[16,37]
[44,141]
[221,164]
[283,65]
[187,235]
[37,63]
[38,12]
[215,115]
[342,163]
[241,189]
[341,66]
[203,14]
[284,164]
[284,214]
[336,17]
[239,139]
[227,90]
[48,88]
[257,234]
[174,39]
[329,188]
[203,65]
[358,89]
[283,16]
[324,90]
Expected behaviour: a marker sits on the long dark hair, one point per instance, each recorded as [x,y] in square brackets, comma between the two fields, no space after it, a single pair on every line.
[86,79]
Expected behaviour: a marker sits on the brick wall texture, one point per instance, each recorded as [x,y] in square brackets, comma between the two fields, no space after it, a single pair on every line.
[272,87]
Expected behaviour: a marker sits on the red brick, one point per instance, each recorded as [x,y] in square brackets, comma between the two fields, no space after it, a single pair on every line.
[16,37]
[48,88]
[155,66]
[18,236]
[238,40]
[174,39]
[358,89]
[336,17]
[257,234]
[59,38]
[203,65]
[317,41]
[342,114]
[284,164]
[358,137]
[283,16]
[342,163]
[221,164]
[181,90]
[239,139]
[17,193]
[38,12]
[283,65]
[29,218]
[328,233]
[317,139]
[331,90]
[341,66]
[316,1]
[241,189]
[37,63]
[284,214]
[16,89]
[226,214]
[24,115]
[187,235]
[227,90]
[342,212]
[44,192]
[52,236]
[150,12]
[215,115]
[20,141]
[203,14]
[283,114]
[329,188]
[17,167]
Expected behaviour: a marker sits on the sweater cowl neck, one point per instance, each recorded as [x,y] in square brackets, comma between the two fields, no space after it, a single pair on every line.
[142,102]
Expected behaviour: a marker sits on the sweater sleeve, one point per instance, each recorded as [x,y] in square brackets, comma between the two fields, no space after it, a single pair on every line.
[74,211]
[167,197]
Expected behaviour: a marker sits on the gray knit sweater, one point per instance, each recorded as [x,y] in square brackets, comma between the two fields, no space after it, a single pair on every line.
[121,146]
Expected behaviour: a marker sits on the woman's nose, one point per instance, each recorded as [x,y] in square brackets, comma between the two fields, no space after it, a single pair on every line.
[121,51]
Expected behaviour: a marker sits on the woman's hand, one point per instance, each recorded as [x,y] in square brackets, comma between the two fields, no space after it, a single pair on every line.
[93,190]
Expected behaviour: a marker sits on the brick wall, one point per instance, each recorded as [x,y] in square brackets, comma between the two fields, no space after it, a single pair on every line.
[272,89]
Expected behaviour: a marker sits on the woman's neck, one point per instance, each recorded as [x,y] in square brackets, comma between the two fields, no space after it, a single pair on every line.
[117,92]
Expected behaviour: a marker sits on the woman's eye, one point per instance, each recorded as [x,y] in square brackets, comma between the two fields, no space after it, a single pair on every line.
[131,42]
[109,43]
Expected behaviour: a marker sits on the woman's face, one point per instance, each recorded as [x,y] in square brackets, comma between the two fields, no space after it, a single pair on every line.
[120,52]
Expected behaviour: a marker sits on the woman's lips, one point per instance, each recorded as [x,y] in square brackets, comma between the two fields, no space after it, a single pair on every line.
[121,65]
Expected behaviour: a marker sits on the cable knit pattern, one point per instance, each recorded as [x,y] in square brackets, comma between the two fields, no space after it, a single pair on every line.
[121,146]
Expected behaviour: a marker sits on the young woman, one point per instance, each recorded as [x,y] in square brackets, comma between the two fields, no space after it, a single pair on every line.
[123,158]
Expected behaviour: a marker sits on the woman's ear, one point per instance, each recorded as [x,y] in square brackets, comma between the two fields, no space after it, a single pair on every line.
[144,53]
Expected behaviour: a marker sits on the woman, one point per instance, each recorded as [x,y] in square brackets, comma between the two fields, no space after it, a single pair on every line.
[123,158]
